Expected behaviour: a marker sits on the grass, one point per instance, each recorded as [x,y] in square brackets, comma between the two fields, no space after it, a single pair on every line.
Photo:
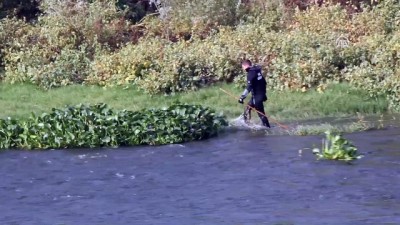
[19,100]
[304,130]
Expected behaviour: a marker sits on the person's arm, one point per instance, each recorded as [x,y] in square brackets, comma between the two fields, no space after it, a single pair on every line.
[250,78]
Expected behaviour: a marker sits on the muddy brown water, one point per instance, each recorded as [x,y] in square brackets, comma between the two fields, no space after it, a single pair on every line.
[240,177]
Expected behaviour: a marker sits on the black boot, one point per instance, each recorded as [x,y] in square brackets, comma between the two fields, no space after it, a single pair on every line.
[265,122]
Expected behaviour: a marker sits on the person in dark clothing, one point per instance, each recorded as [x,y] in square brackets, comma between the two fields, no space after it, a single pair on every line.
[257,85]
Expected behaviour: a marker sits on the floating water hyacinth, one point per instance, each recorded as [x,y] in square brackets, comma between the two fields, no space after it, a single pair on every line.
[335,147]
[98,125]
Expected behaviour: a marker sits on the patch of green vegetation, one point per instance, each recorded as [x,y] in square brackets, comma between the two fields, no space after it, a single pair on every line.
[304,130]
[335,147]
[98,125]
[316,129]
[19,100]
[337,100]
[299,50]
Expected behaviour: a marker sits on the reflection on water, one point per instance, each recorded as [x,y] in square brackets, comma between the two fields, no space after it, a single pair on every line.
[238,178]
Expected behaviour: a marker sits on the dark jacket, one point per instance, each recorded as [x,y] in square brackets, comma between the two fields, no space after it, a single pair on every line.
[256,83]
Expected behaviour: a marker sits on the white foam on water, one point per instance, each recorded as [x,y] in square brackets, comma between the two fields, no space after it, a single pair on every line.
[241,124]
[95,156]
[119,175]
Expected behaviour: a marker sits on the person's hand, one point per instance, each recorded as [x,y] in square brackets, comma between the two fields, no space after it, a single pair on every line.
[241,100]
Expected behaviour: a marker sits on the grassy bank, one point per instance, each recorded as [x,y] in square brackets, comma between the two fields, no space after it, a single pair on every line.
[19,100]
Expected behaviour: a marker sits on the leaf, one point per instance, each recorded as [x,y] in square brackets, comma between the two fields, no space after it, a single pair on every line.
[106,139]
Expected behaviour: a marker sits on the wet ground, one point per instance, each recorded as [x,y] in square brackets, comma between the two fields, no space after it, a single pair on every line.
[241,177]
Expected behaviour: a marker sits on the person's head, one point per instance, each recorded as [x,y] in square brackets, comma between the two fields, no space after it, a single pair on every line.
[246,64]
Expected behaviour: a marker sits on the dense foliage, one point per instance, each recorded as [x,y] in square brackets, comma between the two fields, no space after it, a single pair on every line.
[197,43]
[98,126]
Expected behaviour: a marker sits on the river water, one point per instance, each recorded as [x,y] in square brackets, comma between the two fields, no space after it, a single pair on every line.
[240,177]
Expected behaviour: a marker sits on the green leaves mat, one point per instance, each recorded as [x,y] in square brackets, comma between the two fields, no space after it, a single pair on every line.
[88,126]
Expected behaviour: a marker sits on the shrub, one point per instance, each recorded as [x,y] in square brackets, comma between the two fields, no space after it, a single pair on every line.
[48,67]
[311,57]
[98,21]
[181,19]
[184,50]
[125,66]
[11,29]
[157,67]
[303,60]
[378,73]
[328,19]
[333,20]
[59,48]
[390,10]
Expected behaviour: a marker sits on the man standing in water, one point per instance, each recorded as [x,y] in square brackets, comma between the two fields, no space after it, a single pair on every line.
[257,85]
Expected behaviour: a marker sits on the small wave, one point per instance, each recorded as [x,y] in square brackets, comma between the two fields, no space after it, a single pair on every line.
[95,156]
[239,123]
[120,175]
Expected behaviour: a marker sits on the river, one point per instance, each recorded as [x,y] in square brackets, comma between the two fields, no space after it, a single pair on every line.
[240,177]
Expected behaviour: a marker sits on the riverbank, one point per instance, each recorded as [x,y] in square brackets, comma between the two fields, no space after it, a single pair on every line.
[338,100]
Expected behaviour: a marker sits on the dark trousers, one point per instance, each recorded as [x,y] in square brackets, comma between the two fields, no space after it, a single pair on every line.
[257,103]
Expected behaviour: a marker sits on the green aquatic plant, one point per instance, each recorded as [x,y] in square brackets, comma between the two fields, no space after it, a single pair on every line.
[304,130]
[98,125]
[335,147]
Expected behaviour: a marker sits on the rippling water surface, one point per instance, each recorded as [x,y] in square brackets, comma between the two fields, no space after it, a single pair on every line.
[240,177]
